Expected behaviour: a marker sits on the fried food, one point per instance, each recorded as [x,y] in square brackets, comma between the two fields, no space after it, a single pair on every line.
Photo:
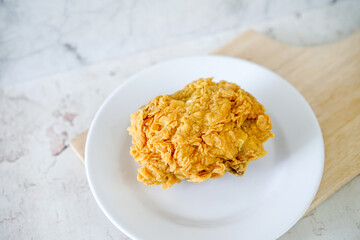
[197,133]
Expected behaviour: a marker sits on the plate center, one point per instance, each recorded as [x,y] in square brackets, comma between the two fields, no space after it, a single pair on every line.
[216,201]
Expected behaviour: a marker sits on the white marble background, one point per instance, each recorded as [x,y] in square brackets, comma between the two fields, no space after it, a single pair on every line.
[42,37]
[43,189]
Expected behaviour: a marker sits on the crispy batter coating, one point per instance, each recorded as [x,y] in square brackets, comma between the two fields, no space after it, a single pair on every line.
[198,133]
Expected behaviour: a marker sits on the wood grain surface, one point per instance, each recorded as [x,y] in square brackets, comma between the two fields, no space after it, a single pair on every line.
[328,76]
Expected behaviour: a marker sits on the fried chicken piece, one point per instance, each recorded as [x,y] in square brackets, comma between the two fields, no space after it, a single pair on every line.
[197,133]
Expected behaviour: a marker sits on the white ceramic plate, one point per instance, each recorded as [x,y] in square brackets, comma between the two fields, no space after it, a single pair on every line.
[263,204]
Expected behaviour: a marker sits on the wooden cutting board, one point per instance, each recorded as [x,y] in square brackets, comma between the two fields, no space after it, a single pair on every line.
[328,77]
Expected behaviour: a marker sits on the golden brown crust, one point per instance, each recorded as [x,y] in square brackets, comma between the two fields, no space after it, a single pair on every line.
[198,133]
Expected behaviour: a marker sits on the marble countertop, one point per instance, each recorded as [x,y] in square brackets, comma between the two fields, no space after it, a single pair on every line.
[46,99]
